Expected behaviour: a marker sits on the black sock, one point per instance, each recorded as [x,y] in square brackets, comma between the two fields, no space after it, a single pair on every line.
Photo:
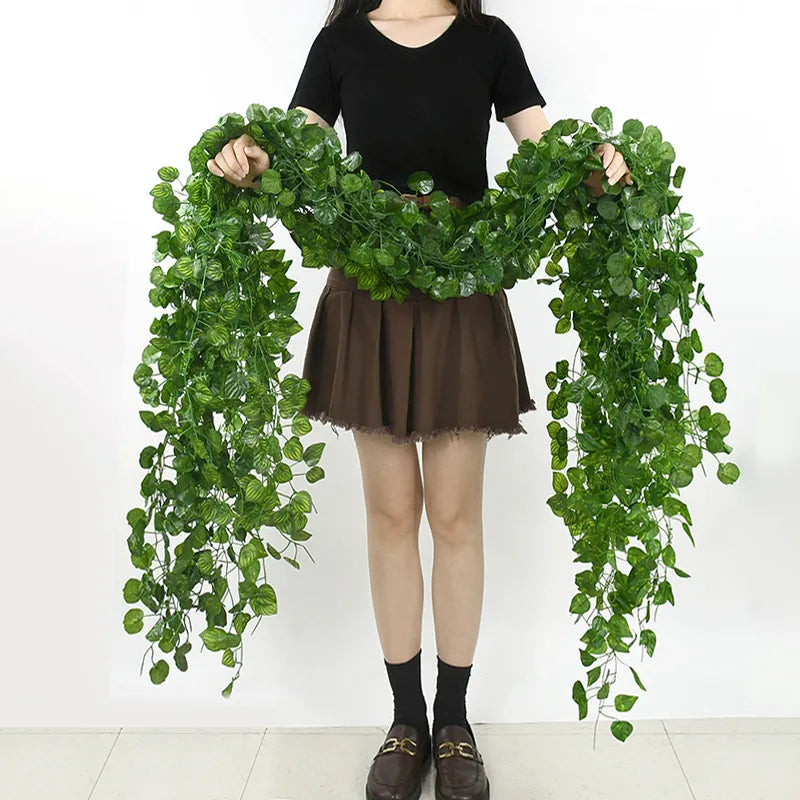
[450,703]
[409,702]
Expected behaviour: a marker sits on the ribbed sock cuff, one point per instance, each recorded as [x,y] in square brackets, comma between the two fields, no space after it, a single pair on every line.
[449,705]
[409,702]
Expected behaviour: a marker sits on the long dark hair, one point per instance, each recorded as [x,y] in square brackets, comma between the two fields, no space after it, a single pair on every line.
[348,8]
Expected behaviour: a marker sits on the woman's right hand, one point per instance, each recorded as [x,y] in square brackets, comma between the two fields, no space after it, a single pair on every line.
[240,161]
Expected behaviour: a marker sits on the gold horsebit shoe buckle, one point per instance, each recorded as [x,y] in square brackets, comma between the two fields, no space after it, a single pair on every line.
[452,747]
[393,743]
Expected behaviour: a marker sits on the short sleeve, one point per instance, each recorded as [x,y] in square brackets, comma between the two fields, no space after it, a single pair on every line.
[514,87]
[318,85]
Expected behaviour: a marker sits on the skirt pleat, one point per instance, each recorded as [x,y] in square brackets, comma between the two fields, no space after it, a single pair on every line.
[415,369]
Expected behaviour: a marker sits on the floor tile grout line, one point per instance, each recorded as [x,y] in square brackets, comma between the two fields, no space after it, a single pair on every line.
[108,755]
[253,764]
[678,759]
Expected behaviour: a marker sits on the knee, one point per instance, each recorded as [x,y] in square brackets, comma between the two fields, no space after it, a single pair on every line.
[453,525]
[396,518]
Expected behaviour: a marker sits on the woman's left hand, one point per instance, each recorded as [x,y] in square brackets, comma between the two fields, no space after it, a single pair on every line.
[614,164]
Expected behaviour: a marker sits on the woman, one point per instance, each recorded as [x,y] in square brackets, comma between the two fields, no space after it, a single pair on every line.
[415,81]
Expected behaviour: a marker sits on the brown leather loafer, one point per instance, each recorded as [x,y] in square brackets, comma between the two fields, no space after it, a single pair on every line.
[459,766]
[398,767]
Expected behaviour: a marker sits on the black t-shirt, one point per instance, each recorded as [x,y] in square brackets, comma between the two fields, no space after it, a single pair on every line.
[418,108]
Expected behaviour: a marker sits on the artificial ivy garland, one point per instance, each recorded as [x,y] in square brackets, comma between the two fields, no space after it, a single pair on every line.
[232,461]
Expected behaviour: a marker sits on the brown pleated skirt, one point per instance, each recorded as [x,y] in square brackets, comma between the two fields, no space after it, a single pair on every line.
[415,369]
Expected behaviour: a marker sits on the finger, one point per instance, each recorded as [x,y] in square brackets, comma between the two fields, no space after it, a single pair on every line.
[241,157]
[259,155]
[235,157]
[616,168]
[616,174]
[615,163]
[213,168]
[601,150]
[226,161]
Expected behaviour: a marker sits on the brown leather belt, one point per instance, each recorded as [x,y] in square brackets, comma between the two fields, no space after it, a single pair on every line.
[424,201]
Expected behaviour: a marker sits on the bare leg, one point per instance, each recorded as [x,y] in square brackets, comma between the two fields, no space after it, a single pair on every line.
[392,485]
[453,470]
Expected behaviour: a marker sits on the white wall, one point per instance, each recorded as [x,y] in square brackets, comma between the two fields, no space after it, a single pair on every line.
[98,96]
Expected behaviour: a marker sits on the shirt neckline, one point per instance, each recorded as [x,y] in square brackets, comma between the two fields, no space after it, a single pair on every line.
[445,32]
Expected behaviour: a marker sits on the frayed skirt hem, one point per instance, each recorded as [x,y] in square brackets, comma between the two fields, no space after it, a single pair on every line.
[415,436]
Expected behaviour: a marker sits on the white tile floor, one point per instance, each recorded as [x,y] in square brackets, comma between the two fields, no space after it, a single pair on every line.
[725,759]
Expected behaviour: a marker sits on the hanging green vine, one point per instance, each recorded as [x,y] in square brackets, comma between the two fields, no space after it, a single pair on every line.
[232,465]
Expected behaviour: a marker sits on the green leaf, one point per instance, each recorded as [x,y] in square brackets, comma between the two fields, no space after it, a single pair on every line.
[133,620]
[681,477]
[384,257]
[168,173]
[326,213]
[271,181]
[713,364]
[315,474]
[648,640]
[313,453]
[579,696]
[236,384]
[420,182]
[637,679]
[350,183]
[283,473]
[352,161]
[607,208]
[132,591]
[602,117]
[301,425]
[621,285]
[718,390]
[633,128]
[656,395]
[580,604]
[263,601]
[159,671]
[293,449]
[302,501]
[218,639]
[621,729]
[728,472]
[618,625]
[617,264]
[624,702]
[560,482]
